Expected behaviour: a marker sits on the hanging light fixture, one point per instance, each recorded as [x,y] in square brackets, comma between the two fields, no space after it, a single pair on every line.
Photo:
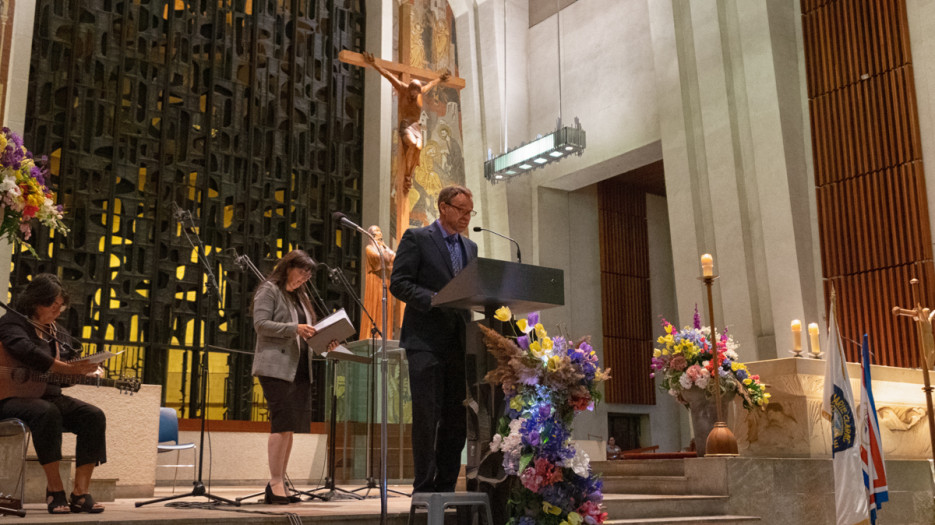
[545,149]
[555,146]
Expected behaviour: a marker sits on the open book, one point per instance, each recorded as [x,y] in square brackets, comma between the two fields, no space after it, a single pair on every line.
[336,326]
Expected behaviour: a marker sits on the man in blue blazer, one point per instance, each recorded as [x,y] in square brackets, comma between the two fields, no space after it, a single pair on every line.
[426,260]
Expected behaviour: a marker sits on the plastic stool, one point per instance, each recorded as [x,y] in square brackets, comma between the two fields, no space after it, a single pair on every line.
[436,503]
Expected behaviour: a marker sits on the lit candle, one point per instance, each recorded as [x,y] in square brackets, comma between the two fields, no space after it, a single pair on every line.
[707,265]
[797,335]
[813,337]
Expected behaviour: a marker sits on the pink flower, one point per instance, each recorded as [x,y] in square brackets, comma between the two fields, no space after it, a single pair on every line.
[591,512]
[530,480]
[678,363]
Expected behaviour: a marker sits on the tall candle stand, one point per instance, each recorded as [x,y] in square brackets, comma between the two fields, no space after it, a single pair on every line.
[721,441]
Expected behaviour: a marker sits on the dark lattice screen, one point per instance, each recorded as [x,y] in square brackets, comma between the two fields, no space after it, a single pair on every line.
[235,110]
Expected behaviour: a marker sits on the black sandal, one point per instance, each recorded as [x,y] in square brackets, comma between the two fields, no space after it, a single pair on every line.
[57,502]
[85,503]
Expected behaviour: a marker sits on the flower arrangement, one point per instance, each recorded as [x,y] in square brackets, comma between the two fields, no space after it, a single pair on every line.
[23,193]
[546,381]
[685,360]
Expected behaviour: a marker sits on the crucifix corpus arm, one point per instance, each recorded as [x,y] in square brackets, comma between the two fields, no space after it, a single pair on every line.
[371,61]
[392,71]
[443,75]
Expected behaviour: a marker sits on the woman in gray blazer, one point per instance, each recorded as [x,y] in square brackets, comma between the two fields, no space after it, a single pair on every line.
[283,319]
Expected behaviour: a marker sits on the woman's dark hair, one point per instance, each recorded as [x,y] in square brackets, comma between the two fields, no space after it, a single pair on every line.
[42,290]
[280,275]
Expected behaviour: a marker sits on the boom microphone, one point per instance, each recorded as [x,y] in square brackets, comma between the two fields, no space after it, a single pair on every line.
[519,257]
[347,223]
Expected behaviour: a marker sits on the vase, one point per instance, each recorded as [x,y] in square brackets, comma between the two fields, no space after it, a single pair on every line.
[704,413]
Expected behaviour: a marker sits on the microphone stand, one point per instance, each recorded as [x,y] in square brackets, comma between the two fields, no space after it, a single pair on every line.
[330,487]
[339,277]
[384,372]
[199,487]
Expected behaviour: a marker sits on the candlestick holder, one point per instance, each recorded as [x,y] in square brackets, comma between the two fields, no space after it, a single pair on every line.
[721,441]
[816,356]
[796,353]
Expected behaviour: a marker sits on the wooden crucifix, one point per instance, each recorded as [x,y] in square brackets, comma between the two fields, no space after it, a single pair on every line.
[923,318]
[409,83]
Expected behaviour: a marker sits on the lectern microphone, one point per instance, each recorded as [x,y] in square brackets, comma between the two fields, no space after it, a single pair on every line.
[519,257]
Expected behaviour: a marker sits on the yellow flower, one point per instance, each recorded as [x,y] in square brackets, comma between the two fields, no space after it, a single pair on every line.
[669,329]
[2,142]
[522,324]
[573,519]
[546,343]
[656,352]
[551,509]
[554,363]
[540,331]
[503,314]
[747,381]
[516,403]
[536,349]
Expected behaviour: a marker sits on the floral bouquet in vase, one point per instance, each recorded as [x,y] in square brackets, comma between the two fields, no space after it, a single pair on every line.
[24,197]
[685,359]
[546,381]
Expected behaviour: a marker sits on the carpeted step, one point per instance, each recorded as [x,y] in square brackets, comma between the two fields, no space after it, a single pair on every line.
[646,485]
[688,520]
[640,467]
[638,506]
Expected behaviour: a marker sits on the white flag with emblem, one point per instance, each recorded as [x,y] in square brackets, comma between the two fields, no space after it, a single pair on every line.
[850,497]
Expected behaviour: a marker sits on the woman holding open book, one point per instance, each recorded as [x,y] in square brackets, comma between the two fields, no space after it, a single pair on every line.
[33,342]
[283,319]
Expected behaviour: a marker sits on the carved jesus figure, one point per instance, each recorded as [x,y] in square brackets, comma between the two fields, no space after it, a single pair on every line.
[410,131]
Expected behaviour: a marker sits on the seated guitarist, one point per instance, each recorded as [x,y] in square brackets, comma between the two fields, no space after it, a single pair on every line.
[37,343]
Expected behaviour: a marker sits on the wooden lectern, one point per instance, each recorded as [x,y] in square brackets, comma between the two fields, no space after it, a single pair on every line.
[484,285]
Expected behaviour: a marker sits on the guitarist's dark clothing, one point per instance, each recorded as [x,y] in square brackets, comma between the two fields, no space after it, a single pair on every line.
[53,413]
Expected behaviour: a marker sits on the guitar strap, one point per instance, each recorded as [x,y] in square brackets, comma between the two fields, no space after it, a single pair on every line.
[54,341]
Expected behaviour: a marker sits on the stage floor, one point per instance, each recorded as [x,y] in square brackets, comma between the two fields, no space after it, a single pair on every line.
[193,510]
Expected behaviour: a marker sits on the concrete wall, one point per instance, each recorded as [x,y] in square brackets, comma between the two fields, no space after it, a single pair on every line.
[782,491]
[132,431]
[17,88]
[735,147]
[236,458]
[920,15]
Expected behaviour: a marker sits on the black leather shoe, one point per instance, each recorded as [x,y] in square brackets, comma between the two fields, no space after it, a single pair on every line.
[272,499]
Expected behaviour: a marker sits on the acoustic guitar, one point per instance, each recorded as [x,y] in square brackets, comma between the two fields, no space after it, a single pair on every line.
[19,381]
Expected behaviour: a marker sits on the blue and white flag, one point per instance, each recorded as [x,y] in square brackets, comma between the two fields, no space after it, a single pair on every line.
[850,497]
[871,451]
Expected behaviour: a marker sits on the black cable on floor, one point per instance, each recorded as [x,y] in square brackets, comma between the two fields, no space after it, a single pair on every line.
[293,518]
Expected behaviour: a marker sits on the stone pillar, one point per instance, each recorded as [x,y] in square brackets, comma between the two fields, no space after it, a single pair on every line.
[732,120]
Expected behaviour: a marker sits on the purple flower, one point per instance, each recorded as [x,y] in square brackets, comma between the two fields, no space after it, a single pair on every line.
[545,411]
[523,342]
[533,319]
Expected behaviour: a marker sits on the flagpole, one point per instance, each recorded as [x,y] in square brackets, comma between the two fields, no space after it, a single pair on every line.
[922,318]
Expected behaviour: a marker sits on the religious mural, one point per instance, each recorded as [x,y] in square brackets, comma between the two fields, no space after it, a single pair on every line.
[427,26]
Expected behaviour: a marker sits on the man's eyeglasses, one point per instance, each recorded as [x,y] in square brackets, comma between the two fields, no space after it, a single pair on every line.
[463,210]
